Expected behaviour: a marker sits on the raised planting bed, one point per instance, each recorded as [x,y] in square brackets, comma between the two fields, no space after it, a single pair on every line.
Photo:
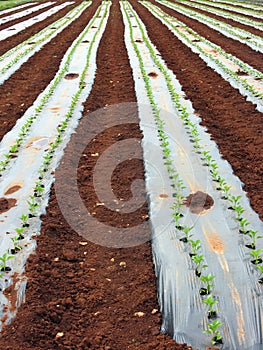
[176,231]
[36,144]
[16,28]
[14,58]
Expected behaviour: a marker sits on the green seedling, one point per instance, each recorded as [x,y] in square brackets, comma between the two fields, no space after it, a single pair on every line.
[214,165]
[13,149]
[3,262]
[244,223]
[38,190]
[33,205]
[211,302]
[214,332]
[7,156]
[235,200]
[166,152]
[239,210]
[226,189]
[20,231]
[176,217]
[260,267]
[198,260]
[24,218]
[17,246]
[180,184]
[256,255]
[41,174]
[3,164]
[222,183]
[186,230]
[215,175]
[253,234]
[208,285]
[196,246]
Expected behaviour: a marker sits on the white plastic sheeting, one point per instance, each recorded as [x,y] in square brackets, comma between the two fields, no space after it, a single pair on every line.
[236,287]
[16,28]
[22,173]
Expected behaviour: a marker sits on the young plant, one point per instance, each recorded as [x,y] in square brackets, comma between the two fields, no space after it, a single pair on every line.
[39,189]
[17,246]
[214,331]
[253,234]
[199,261]
[226,189]
[3,262]
[24,218]
[235,201]
[195,245]
[33,205]
[239,210]
[186,230]
[13,149]
[208,285]
[244,223]
[211,302]
[176,217]
[256,255]
[20,231]
[260,267]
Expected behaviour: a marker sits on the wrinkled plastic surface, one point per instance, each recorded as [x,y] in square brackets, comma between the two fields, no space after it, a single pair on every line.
[236,287]
[24,13]
[23,171]
[236,33]
[16,28]
[20,7]
[46,35]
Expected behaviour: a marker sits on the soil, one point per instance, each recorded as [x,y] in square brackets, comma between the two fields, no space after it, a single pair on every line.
[198,202]
[6,204]
[85,296]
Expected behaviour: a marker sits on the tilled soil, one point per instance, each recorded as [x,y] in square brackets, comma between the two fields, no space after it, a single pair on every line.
[81,295]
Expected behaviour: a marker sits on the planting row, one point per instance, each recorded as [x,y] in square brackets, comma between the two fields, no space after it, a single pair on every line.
[25,12]
[205,264]
[14,58]
[236,33]
[3,12]
[16,28]
[255,5]
[239,74]
[33,148]
[226,14]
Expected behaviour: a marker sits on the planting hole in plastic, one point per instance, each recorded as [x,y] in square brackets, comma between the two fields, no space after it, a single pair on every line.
[153,75]
[71,76]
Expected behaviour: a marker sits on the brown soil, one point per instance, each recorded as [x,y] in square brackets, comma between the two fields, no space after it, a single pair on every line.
[228,20]
[230,45]
[25,18]
[85,296]
[6,204]
[199,202]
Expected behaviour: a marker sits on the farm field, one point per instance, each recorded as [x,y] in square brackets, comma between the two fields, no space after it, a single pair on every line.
[79,78]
